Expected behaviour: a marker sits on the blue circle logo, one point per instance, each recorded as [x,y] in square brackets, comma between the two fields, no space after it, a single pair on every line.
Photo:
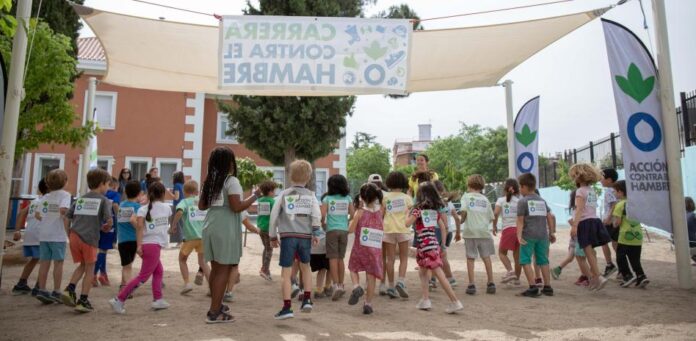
[79,207]
[652,122]
[525,155]
[151,226]
[44,210]
[364,238]
[291,206]
[193,214]
[332,208]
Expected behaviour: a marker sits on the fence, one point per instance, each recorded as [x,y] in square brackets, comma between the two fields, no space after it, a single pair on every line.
[686,114]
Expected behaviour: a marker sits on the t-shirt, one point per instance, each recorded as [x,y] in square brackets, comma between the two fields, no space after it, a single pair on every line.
[396,206]
[231,186]
[590,197]
[263,217]
[51,227]
[87,214]
[508,211]
[193,218]
[156,229]
[115,198]
[31,232]
[630,231]
[413,183]
[478,215]
[534,210]
[451,226]
[337,212]
[178,188]
[609,199]
[126,231]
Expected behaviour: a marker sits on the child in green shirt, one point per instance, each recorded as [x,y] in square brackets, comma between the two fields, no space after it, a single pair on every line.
[265,205]
[630,242]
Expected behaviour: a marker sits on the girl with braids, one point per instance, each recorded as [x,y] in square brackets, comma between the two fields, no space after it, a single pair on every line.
[151,236]
[222,231]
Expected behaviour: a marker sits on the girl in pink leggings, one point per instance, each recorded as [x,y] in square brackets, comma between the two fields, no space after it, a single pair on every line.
[151,234]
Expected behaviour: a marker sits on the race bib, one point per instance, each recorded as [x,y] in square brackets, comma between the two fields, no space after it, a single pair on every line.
[50,210]
[477,205]
[196,215]
[125,214]
[537,208]
[298,204]
[87,206]
[396,205]
[264,208]
[157,224]
[429,218]
[591,199]
[370,237]
[338,207]
[509,210]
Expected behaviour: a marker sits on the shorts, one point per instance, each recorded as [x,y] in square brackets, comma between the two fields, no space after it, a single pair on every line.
[80,251]
[52,251]
[318,262]
[613,232]
[575,247]
[336,243]
[508,240]
[479,246]
[106,240]
[127,251]
[191,245]
[291,246]
[591,232]
[450,235]
[31,251]
[537,247]
[396,238]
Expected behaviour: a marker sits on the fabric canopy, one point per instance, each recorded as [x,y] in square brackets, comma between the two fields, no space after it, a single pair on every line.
[163,55]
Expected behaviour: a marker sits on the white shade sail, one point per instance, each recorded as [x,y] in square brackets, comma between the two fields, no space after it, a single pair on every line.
[163,55]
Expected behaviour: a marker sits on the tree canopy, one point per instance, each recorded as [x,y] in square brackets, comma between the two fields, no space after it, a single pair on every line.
[366,160]
[249,174]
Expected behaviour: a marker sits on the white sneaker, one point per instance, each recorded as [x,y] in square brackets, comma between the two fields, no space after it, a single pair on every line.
[454,307]
[228,298]
[160,304]
[424,304]
[510,276]
[382,289]
[601,283]
[453,282]
[295,290]
[117,306]
[187,289]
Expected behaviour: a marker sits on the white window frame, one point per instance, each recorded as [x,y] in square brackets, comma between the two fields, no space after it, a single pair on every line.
[37,162]
[129,159]
[109,167]
[114,96]
[275,168]
[160,160]
[326,181]
[226,139]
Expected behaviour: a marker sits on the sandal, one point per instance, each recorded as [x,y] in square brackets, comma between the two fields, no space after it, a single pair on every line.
[225,309]
[219,317]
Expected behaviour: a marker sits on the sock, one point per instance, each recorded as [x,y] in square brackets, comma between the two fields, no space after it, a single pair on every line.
[83,297]
[22,282]
[287,304]
[70,287]
[307,295]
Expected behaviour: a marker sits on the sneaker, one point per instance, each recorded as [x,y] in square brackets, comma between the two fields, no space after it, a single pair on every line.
[56,297]
[454,307]
[199,278]
[609,269]
[34,291]
[509,277]
[338,293]
[44,297]
[328,292]
[21,289]
[187,289]
[490,288]
[284,314]
[295,290]
[220,317]
[453,282]
[355,295]
[382,289]
[582,281]
[401,289]
[530,292]
[319,294]
[432,284]
[516,282]
[642,282]
[95,282]
[367,309]
[424,304]
[600,283]
[307,306]
[556,272]
[117,306]
[83,306]
[547,290]
[160,304]
[266,276]
[539,283]
[69,298]
[229,297]
[471,289]
[391,292]
[104,280]
[627,281]
[619,276]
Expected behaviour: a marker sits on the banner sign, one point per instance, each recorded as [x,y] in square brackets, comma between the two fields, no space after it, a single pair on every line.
[364,56]
[527,139]
[636,92]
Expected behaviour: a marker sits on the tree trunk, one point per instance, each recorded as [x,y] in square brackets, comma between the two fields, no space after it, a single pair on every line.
[312,185]
[289,158]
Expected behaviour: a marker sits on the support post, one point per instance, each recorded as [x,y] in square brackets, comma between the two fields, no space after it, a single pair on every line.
[591,152]
[671,135]
[89,112]
[613,150]
[685,120]
[510,128]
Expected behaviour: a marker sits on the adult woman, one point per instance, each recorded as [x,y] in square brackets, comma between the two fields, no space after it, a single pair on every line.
[421,167]
[123,177]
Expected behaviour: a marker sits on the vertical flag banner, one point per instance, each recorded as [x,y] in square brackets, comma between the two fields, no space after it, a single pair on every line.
[636,92]
[93,144]
[527,139]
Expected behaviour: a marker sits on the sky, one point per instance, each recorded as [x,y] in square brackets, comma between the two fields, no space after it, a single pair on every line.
[571,75]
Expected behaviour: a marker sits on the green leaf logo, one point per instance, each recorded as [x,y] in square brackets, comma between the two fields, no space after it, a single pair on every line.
[375,51]
[81,201]
[532,204]
[332,203]
[425,214]
[45,204]
[290,200]
[366,231]
[526,137]
[389,202]
[350,62]
[634,85]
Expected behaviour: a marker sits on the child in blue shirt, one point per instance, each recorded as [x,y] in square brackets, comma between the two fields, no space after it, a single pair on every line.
[127,245]
[107,239]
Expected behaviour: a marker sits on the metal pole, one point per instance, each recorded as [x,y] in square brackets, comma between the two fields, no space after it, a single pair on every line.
[15,93]
[591,152]
[685,120]
[613,150]
[510,128]
[671,134]
[89,113]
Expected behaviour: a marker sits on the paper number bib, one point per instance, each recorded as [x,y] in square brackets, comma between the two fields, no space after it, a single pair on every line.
[338,207]
[396,205]
[429,218]
[125,214]
[196,215]
[537,208]
[370,237]
[591,199]
[264,208]
[477,205]
[157,224]
[87,206]
[509,210]
[298,204]
[50,210]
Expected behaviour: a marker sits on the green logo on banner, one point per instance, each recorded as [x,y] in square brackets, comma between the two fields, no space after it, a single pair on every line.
[526,137]
[634,85]
[375,51]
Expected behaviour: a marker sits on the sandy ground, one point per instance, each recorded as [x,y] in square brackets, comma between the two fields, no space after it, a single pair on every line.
[662,311]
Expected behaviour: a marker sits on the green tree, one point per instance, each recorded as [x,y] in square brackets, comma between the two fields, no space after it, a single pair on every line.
[249,174]
[402,11]
[61,17]
[7,21]
[364,161]
[362,139]
[406,170]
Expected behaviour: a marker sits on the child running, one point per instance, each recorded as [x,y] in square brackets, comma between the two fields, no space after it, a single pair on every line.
[31,244]
[574,252]
[187,211]
[506,209]
[265,205]
[366,254]
[152,236]
[126,236]
[588,229]
[107,238]
[425,215]
[320,264]
[609,177]
[91,214]
[630,242]
[336,210]
[396,233]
